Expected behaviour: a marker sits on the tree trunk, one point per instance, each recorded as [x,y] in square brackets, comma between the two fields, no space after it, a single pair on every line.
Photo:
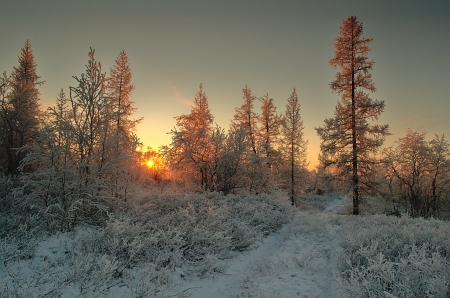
[292,176]
[355,180]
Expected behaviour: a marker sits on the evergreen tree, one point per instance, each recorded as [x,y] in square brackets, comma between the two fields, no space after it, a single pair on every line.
[20,110]
[348,140]
[293,144]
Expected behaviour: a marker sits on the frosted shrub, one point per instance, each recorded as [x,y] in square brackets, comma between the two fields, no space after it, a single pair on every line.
[156,236]
[404,257]
[91,272]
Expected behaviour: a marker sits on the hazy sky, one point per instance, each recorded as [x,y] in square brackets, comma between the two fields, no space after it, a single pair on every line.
[272,46]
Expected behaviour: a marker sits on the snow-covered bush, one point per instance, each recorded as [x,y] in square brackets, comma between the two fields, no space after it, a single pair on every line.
[159,234]
[403,257]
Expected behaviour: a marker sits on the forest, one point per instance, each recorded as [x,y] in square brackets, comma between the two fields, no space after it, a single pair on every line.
[87,211]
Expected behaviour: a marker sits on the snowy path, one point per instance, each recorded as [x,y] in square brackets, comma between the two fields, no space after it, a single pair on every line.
[297,261]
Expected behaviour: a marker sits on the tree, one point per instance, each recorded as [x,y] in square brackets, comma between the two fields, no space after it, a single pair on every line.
[91,117]
[20,109]
[191,149]
[419,173]
[349,141]
[269,131]
[293,144]
[231,167]
[4,123]
[407,166]
[85,148]
[439,169]
[246,118]
[123,137]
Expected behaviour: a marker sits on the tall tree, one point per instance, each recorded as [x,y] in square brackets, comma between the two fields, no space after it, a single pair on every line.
[4,123]
[246,118]
[121,107]
[91,116]
[293,144]
[21,110]
[120,93]
[348,140]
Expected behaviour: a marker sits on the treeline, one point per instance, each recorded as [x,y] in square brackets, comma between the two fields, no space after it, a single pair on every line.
[259,152]
[78,159]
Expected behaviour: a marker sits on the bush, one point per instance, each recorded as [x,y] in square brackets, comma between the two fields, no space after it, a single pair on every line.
[160,233]
[403,257]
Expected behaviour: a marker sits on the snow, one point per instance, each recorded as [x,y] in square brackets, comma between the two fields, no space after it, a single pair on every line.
[299,260]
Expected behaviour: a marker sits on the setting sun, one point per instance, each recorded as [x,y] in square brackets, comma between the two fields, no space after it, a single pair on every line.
[150,163]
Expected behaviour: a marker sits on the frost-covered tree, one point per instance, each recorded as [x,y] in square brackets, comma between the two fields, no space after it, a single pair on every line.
[84,153]
[439,169]
[20,109]
[74,152]
[349,140]
[191,149]
[246,118]
[268,136]
[269,129]
[418,173]
[293,144]
[231,169]
[407,167]
[92,119]
[4,127]
[125,141]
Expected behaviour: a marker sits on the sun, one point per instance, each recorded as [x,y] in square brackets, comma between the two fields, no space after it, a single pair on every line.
[150,163]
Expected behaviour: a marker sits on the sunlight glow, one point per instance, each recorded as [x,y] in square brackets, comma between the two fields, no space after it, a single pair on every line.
[150,163]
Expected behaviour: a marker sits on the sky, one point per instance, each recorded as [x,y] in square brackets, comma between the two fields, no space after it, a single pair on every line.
[271,46]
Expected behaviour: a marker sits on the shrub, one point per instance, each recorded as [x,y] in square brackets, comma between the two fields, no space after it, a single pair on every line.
[404,257]
[159,233]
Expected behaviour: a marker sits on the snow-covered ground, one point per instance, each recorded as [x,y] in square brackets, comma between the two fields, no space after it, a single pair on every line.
[299,260]
[319,252]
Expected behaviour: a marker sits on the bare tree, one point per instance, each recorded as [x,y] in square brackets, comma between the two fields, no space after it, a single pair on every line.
[348,139]
[418,173]
[439,173]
